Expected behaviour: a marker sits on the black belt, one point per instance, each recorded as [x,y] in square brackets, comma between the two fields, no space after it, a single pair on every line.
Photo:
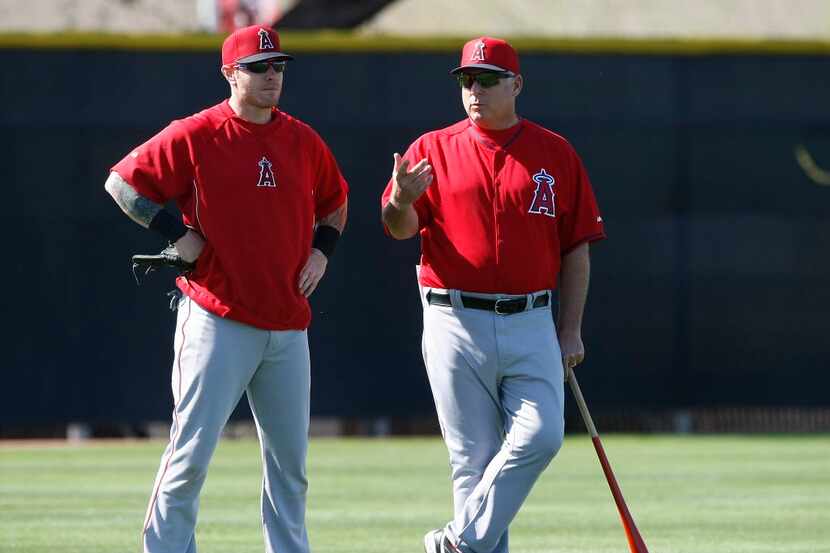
[502,306]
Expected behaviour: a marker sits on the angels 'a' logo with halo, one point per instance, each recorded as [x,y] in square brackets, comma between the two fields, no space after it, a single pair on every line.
[478,53]
[543,197]
[266,175]
[265,40]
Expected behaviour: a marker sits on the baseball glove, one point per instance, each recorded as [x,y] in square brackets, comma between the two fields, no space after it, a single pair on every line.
[168,257]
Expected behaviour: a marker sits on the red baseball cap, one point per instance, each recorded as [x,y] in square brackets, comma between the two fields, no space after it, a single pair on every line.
[491,54]
[254,43]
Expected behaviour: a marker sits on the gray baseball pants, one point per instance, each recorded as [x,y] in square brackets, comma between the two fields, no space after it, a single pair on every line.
[216,360]
[497,382]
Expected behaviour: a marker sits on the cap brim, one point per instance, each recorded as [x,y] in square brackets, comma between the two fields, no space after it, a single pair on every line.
[485,66]
[265,56]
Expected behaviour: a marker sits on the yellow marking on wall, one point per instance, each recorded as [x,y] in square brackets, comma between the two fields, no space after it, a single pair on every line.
[346,42]
[810,167]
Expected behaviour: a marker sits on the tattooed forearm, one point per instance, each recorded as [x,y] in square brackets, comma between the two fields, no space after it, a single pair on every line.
[137,207]
[337,218]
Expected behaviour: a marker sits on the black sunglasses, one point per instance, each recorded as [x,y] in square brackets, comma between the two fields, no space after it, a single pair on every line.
[487,79]
[260,67]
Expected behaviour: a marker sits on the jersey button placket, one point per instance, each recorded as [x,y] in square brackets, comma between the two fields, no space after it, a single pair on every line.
[498,215]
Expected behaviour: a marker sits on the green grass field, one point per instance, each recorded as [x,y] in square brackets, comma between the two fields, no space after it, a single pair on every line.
[690,494]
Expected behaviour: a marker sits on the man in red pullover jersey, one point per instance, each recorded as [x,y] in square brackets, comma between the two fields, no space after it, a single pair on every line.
[505,212]
[263,204]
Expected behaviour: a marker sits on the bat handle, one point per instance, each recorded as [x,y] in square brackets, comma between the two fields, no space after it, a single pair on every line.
[580,402]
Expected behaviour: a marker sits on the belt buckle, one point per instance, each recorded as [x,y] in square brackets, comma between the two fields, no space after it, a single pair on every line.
[506,303]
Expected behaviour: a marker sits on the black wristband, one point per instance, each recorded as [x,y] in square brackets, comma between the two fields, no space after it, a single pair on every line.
[168,226]
[325,239]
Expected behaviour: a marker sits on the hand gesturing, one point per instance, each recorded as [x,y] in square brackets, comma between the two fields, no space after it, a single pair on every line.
[407,186]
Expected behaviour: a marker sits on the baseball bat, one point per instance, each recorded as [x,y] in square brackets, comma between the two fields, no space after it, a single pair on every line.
[635,541]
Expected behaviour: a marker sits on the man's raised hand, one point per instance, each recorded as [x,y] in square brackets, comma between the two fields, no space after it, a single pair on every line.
[408,185]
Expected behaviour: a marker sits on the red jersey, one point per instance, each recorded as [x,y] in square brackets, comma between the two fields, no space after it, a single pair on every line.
[502,209]
[253,191]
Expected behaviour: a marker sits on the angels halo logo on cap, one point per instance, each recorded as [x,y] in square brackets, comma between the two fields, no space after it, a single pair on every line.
[265,42]
[478,51]
[489,54]
[250,44]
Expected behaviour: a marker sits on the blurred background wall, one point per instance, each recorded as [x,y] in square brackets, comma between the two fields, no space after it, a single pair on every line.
[709,300]
[676,19]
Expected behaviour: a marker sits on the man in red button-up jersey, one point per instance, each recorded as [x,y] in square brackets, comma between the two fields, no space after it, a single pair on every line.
[262,204]
[506,214]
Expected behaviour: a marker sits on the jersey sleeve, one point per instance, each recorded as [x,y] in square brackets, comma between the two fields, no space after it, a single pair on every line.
[583,222]
[161,169]
[415,153]
[330,188]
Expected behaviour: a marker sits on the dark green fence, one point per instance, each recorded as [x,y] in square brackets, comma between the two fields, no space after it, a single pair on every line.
[712,289]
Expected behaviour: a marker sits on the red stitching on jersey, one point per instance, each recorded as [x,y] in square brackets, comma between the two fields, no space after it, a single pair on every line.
[513,138]
[497,203]
[176,420]
[196,209]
